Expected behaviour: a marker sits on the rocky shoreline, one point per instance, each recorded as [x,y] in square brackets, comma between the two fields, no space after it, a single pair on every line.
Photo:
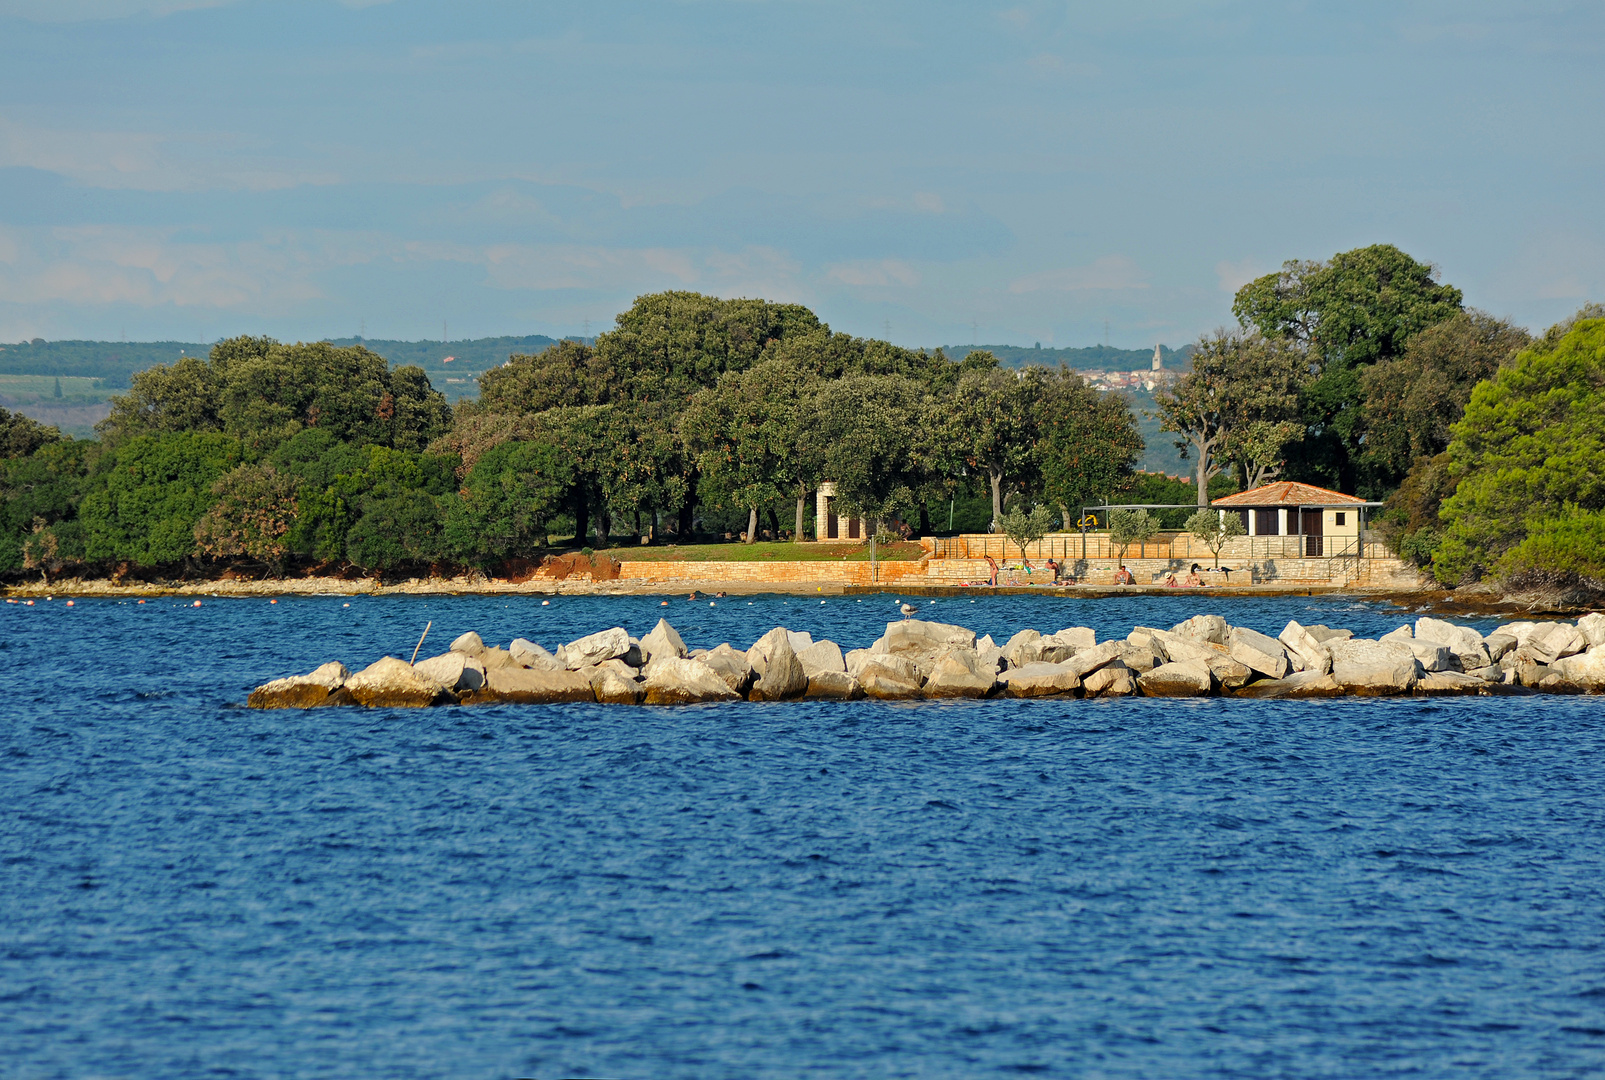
[915,659]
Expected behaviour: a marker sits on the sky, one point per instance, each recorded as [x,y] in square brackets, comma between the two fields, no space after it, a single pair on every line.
[931,172]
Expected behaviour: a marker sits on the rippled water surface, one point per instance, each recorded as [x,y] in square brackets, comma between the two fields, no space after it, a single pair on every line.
[1133,888]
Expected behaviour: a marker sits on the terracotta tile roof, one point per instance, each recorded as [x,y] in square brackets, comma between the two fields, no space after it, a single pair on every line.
[1287,493]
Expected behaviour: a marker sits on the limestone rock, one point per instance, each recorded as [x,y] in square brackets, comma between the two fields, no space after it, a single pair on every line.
[1301,684]
[1499,646]
[1077,637]
[989,654]
[1400,633]
[758,655]
[834,684]
[1311,654]
[1023,648]
[1584,670]
[614,688]
[960,673]
[594,648]
[1088,660]
[531,686]
[1551,641]
[1324,634]
[662,640]
[917,635]
[1592,627]
[1464,642]
[453,670]
[1431,655]
[822,656]
[1229,674]
[902,666]
[320,686]
[393,683]
[526,653]
[728,663]
[1211,628]
[686,682]
[1260,652]
[1052,652]
[1184,678]
[1374,668]
[469,643]
[1139,658]
[1178,647]
[886,683]
[1039,680]
[783,675]
[495,657]
[1443,683]
[1112,680]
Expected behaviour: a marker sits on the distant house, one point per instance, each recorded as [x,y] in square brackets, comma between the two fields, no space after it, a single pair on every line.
[1330,521]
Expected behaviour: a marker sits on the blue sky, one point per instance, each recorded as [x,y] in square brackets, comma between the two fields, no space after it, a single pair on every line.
[184,169]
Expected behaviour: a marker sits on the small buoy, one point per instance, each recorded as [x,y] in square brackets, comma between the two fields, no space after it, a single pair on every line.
[548,603]
[821,601]
[142,601]
[69,603]
[712,604]
[197,603]
[663,603]
[30,603]
[273,601]
[345,605]
[933,601]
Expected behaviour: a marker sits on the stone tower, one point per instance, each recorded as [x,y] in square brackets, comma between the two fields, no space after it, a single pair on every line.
[1159,363]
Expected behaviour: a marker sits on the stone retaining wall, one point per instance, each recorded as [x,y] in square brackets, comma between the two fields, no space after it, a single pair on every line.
[822,571]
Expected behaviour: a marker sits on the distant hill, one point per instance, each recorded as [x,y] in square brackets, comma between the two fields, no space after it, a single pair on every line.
[457,378]
[113,362]
[1092,358]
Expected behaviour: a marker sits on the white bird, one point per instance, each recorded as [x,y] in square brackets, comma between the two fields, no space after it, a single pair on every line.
[908,611]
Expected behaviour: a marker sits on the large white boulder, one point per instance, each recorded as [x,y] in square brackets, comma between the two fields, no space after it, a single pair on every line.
[1374,668]
[1300,684]
[1306,650]
[526,653]
[1112,680]
[960,673]
[453,670]
[512,684]
[393,683]
[917,635]
[674,681]
[886,683]
[663,640]
[1585,671]
[1592,627]
[1181,678]
[729,663]
[1023,648]
[470,643]
[320,686]
[822,656]
[1039,679]
[594,648]
[1085,661]
[1211,628]
[783,675]
[1258,651]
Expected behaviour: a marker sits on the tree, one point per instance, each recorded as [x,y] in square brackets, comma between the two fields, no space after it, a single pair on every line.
[1213,529]
[993,421]
[1356,309]
[21,435]
[1236,405]
[253,514]
[1128,527]
[1412,400]
[1027,528]
[370,478]
[871,429]
[1087,442]
[42,492]
[1529,446]
[508,497]
[149,495]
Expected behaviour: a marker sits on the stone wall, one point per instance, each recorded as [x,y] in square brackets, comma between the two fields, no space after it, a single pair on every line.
[822,571]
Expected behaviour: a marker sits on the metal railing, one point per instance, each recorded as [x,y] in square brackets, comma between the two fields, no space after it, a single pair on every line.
[1175,546]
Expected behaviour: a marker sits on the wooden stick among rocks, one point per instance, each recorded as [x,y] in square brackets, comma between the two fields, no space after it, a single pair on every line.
[915,659]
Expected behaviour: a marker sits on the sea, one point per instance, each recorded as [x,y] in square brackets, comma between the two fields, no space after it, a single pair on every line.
[1061,888]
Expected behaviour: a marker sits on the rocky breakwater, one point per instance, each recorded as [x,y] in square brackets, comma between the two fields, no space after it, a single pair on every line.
[915,659]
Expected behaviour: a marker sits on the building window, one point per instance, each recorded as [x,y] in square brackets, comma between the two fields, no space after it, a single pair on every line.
[1267,523]
[1337,518]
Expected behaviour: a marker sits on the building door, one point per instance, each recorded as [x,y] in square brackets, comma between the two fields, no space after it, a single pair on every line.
[1311,527]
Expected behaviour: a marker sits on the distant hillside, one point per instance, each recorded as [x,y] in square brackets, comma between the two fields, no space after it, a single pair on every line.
[468,360]
[113,362]
[1092,358]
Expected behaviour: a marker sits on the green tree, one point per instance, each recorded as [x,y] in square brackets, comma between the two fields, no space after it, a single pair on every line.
[396,529]
[150,493]
[1356,309]
[1027,528]
[21,435]
[1213,529]
[1087,442]
[1237,405]
[1128,527]
[251,517]
[992,419]
[1412,400]
[1566,549]
[510,495]
[41,494]
[1530,445]
[369,478]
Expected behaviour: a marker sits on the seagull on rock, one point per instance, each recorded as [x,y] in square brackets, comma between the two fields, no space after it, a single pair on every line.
[908,611]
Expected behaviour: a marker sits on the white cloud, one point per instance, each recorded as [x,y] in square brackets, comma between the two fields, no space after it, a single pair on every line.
[1232,276]
[1112,273]
[929,202]
[881,273]
[67,11]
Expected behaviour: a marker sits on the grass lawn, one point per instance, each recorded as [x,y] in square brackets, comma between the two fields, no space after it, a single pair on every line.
[765,552]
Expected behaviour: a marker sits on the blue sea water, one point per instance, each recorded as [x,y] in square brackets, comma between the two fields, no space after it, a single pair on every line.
[1137,888]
